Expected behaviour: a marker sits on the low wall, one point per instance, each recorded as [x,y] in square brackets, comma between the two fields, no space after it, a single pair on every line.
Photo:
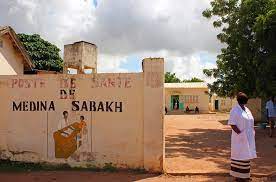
[120,125]
[255,106]
[225,104]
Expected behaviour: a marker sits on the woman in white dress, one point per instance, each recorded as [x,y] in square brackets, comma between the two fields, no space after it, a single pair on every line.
[243,147]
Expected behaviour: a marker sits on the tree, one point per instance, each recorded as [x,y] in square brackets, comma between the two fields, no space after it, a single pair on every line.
[247,62]
[45,55]
[194,79]
[171,78]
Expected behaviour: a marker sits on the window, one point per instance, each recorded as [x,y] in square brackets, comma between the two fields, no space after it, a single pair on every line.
[190,98]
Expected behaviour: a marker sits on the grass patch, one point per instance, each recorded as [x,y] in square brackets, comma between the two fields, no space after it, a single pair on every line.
[7,165]
[109,167]
[138,170]
[15,166]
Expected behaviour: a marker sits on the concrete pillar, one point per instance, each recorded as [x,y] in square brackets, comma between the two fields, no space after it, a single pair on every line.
[153,70]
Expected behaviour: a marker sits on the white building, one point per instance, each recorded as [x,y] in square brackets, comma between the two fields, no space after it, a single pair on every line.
[179,96]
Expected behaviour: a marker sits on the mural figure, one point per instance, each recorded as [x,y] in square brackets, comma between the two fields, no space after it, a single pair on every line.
[69,137]
[82,137]
[64,122]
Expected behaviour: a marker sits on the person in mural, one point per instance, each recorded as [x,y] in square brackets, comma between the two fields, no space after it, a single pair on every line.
[65,137]
[271,114]
[82,136]
[64,121]
[243,147]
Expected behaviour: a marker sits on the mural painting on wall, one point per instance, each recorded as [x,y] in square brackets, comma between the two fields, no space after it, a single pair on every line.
[70,137]
[72,132]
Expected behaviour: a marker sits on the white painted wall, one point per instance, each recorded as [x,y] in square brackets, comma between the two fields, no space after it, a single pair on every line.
[11,62]
[132,138]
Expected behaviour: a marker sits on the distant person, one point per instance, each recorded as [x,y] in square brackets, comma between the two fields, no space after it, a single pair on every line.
[187,109]
[243,147]
[271,114]
[166,110]
[64,121]
[177,104]
[196,110]
[174,104]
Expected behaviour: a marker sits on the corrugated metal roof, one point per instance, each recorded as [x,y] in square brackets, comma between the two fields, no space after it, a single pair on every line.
[186,85]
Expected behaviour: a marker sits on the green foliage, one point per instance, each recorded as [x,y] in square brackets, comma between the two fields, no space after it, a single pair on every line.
[109,167]
[248,61]
[171,78]
[7,165]
[16,166]
[45,55]
[194,79]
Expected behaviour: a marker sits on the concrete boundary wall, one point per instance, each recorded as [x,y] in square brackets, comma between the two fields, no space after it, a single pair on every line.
[112,118]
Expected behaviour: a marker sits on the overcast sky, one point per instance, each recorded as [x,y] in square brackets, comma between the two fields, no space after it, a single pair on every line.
[125,31]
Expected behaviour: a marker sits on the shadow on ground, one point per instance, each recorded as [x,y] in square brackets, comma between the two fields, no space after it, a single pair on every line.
[223,122]
[209,144]
[212,146]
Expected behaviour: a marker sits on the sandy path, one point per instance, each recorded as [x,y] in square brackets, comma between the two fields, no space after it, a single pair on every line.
[201,144]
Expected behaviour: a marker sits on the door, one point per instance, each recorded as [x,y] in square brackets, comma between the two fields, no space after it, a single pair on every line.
[216,104]
[174,102]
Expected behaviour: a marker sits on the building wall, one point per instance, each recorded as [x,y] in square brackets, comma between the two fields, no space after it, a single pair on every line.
[123,126]
[203,98]
[11,62]
[224,103]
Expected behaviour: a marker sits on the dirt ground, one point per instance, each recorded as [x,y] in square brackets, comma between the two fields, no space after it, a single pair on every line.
[197,149]
[70,176]
[201,144]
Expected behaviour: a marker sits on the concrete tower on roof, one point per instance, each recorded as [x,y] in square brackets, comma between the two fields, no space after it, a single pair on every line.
[80,56]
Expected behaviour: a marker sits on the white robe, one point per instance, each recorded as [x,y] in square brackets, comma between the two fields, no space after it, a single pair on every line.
[242,145]
[62,124]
